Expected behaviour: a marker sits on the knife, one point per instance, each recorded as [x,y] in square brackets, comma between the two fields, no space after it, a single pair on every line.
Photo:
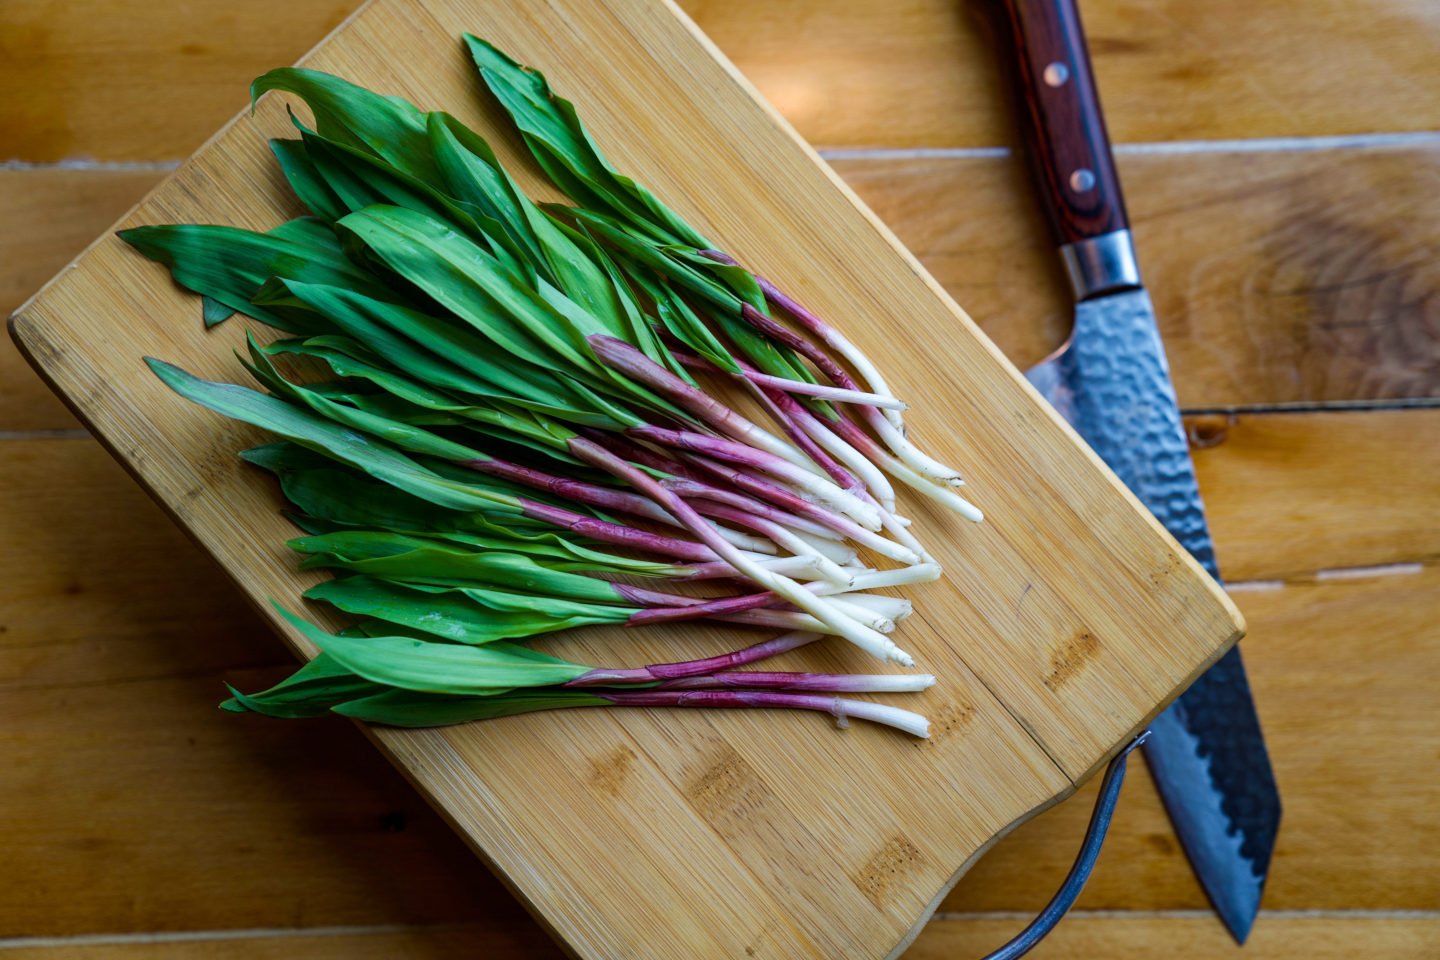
[1112,382]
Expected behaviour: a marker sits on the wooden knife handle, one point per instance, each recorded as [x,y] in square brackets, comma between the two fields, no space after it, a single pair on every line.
[1062,125]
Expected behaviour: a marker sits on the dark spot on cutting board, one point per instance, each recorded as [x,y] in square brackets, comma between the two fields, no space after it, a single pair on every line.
[1172,565]
[1023,594]
[1070,658]
[217,462]
[393,821]
[888,866]
[726,786]
[948,720]
[608,773]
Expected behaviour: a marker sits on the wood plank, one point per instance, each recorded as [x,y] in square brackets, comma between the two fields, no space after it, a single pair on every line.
[493,941]
[920,73]
[117,82]
[1291,493]
[1259,302]
[1080,937]
[134,804]
[100,586]
[138,806]
[597,859]
[50,216]
[1340,670]
[152,630]
[1277,277]
[109,81]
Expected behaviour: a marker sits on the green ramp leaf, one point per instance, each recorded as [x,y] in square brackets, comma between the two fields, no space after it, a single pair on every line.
[406,708]
[462,616]
[439,667]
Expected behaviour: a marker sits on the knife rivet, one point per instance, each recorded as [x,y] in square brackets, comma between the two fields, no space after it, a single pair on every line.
[1056,74]
[1082,180]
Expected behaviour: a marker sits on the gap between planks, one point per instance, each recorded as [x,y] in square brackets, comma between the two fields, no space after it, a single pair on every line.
[1196,914]
[104,166]
[1364,141]
[269,933]
[197,936]
[1327,574]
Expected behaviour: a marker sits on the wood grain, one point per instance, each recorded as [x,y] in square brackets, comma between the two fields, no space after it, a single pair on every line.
[117,594]
[107,589]
[906,73]
[98,80]
[50,216]
[159,814]
[1291,493]
[100,587]
[920,73]
[610,880]
[108,613]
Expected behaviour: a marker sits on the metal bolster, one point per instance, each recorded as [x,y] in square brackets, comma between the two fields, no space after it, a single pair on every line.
[1101,264]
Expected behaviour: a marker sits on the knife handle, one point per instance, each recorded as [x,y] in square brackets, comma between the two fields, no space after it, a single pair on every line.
[1063,130]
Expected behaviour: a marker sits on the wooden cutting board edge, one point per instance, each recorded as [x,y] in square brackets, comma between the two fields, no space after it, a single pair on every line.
[40,353]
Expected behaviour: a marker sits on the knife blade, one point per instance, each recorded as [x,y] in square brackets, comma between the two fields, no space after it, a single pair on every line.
[1111,381]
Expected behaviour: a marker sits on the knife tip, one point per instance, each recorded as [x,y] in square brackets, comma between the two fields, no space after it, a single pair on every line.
[1238,907]
[1239,923]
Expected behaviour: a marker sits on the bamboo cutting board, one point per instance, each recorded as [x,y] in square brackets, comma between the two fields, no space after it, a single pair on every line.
[1064,623]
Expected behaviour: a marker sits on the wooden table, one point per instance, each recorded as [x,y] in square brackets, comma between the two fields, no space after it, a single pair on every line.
[1283,171]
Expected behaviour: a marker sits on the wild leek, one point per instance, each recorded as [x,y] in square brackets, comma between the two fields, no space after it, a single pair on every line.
[523,419]
[403,680]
